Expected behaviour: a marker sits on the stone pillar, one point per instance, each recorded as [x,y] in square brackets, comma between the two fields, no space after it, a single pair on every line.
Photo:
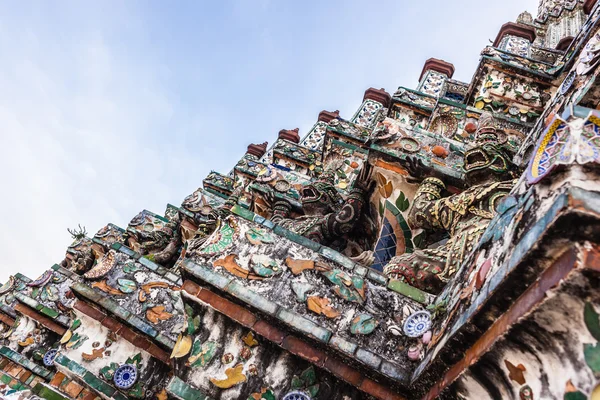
[434,75]
[374,102]
[516,39]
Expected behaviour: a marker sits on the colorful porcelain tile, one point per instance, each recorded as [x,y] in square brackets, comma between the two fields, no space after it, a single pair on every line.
[125,376]
[417,324]
[222,239]
[363,324]
[104,266]
[49,357]
[8,285]
[42,280]
[296,396]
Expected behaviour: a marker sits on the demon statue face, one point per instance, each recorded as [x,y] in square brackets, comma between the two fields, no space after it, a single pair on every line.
[489,160]
[489,173]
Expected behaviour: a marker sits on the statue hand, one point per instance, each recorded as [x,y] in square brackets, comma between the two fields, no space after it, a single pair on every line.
[417,169]
[269,196]
[363,180]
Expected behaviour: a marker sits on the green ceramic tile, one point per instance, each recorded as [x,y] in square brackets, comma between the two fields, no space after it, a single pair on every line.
[343,345]
[148,264]
[181,390]
[206,274]
[253,299]
[408,291]
[376,277]
[394,372]
[370,359]
[304,325]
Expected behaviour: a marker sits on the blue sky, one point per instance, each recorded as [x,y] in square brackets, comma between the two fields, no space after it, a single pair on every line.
[110,107]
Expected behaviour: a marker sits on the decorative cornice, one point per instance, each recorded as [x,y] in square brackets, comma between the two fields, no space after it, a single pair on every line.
[588,6]
[441,66]
[290,135]
[564,43]
[327,116]
[378,95]
[257,150]
[520,30]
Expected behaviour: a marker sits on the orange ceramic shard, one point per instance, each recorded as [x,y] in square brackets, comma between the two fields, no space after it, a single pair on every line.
[234,377]
[250,340]
[27,342]
[440,151]
[232,266]
[320,305]
[102,285]
[158,313]
[96,353]
[151,285]
[162,395]
[297,266]
[515,372]
[569,387]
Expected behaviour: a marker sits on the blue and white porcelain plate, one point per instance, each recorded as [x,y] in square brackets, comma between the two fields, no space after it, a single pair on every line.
[49,357]
[296,396]
[125,376]
[417,324]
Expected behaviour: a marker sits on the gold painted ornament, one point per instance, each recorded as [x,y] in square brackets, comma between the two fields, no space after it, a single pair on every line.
[182,346]
[234,375]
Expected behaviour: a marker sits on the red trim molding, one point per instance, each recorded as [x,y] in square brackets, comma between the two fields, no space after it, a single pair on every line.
[42,319]
[291,135]
[8,320]
[564,43]
[588,6]
[379,95]
[257,150]
[327,116]
[441,66]
[511,28]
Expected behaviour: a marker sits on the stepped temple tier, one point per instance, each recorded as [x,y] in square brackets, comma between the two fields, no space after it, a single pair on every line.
[442,242]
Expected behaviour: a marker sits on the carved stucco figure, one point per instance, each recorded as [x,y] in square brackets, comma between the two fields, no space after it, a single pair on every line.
[327,218]
[490,174]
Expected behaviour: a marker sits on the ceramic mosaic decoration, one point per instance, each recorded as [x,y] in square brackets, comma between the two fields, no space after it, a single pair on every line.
[440,242]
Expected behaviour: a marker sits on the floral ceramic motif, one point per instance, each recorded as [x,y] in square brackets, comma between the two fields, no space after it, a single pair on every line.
[49,357]
[202,353]
[125,376]
[409,145]
[110,234]
[314,139]
[296,396]
[363,324]
[222,239]
[445,124]
[567,83]
[367,114]
[42,280]
[264,266]
[417,324]
[104,266]
[565,143]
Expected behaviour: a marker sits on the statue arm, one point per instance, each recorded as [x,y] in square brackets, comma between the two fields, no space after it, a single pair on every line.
[427,205]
